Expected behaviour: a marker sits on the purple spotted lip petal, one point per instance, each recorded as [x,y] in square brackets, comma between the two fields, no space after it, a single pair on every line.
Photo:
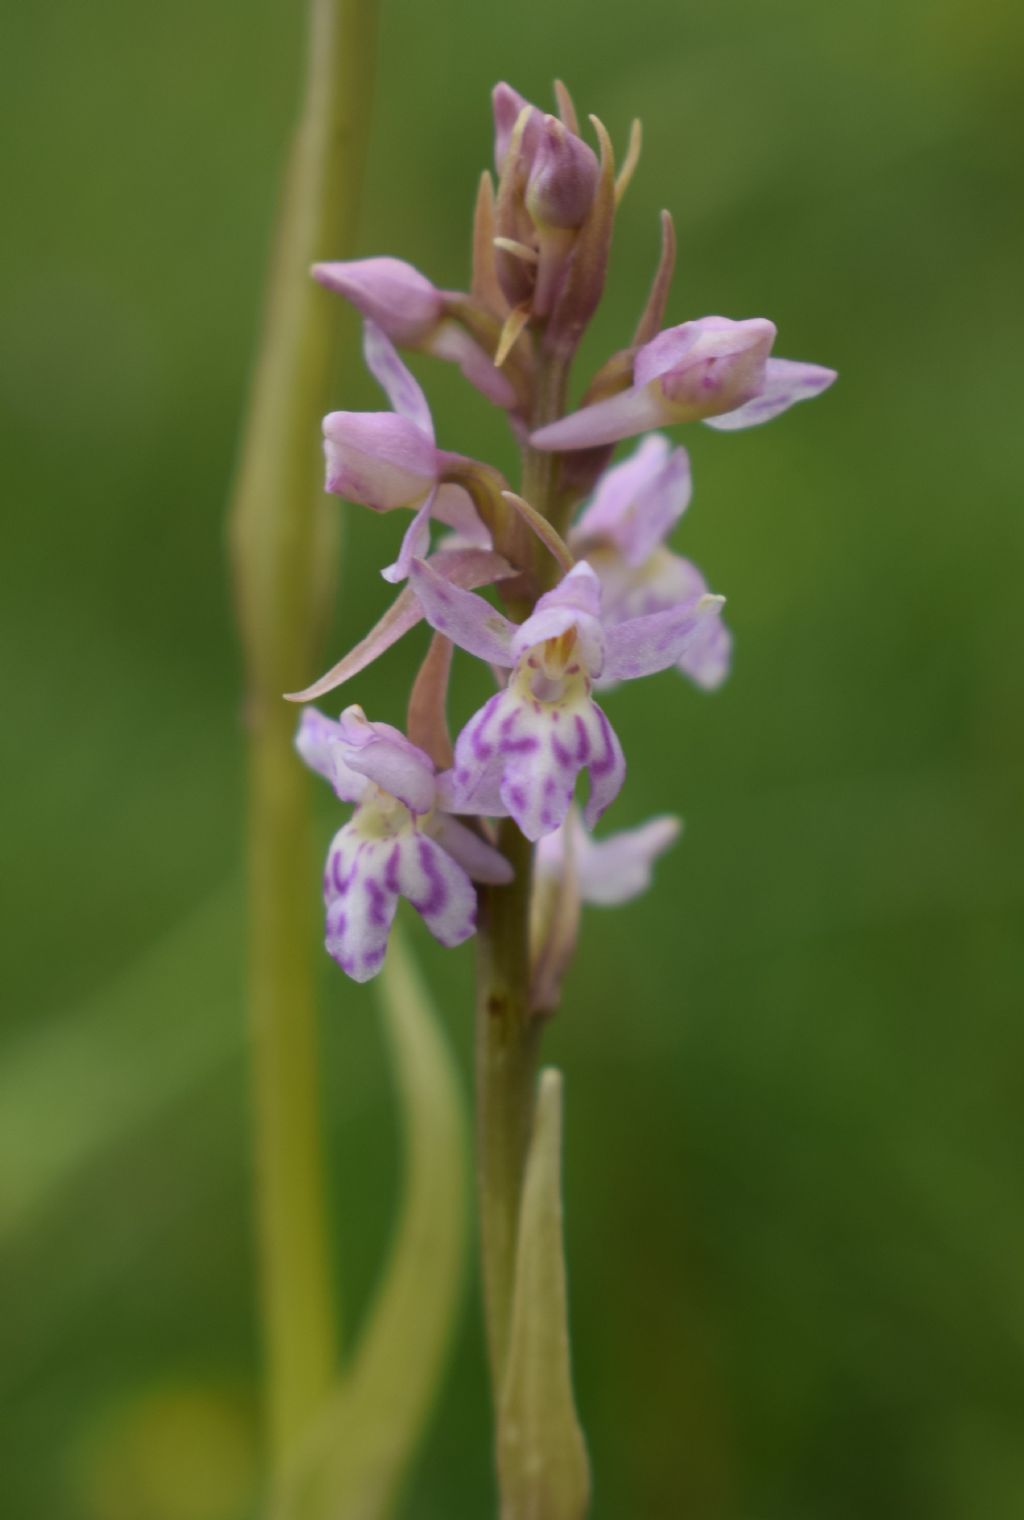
[359,918]
[399,842]
[530,754]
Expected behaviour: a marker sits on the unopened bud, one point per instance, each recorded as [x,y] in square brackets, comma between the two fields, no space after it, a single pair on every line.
[403,303]
[378,459]
[707,367]
[563,177]
[508,105]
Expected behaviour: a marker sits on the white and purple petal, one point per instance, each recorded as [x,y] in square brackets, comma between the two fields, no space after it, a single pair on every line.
[436,886]
[606,766]
[521,756]
[360,901]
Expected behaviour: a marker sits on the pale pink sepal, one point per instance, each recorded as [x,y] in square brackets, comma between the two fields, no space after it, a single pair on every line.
[708,366]
[644,645]
[392,293]
[638,502]
[786,382]
[466,619]
[613,870]
[395,378]
[318,740]
[480,860]
[634,411]
[386,757]
[462,566]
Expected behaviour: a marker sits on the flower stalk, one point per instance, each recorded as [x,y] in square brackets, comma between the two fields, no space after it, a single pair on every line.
[508,1032]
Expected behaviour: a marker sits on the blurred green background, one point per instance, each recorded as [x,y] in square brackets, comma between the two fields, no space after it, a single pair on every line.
[796,1070]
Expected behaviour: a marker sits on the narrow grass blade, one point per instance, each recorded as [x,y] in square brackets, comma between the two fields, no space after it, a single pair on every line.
[542,1459]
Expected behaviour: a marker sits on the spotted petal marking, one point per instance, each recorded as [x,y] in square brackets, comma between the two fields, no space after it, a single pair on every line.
[520,755]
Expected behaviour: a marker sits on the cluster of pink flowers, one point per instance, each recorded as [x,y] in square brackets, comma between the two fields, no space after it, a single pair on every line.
[592,592]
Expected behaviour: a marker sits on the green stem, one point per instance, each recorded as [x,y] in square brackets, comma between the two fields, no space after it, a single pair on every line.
[507,1032]
[507,1053]
[281,554]
[540,470]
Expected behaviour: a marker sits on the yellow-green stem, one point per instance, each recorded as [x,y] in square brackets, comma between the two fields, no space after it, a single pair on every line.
[281,555]
[507,1033]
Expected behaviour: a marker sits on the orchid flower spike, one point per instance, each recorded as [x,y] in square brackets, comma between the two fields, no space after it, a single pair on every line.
[712,370]
[622,535]
[522,752]
[386,460]
[549,181]
[401,841]
[572,868]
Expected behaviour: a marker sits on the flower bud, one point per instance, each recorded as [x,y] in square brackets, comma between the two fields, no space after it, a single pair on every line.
[403,303]
[562,179]
[378,459]
[713,370]
[508,105]
[708,367]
